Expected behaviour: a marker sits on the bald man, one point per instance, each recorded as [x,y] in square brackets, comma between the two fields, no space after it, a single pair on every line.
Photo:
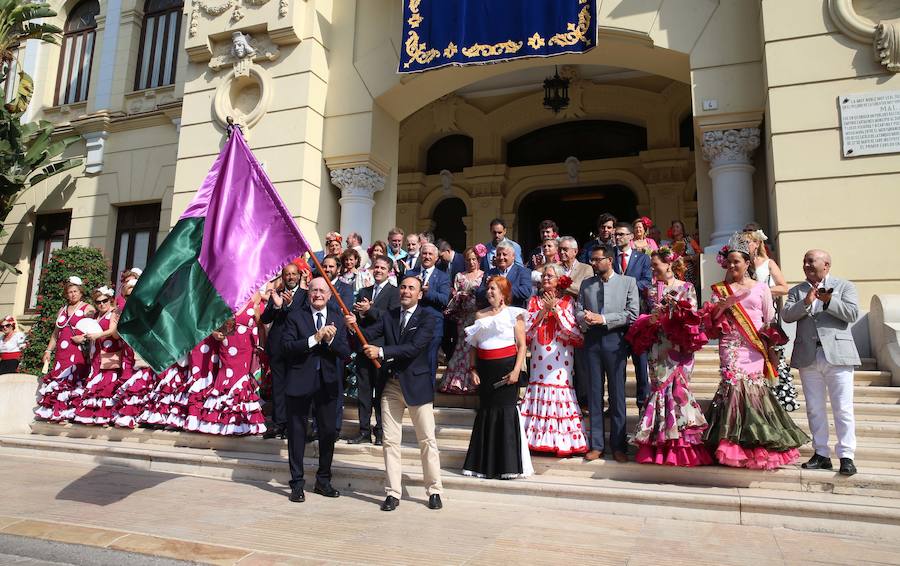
[314,346]
[824,307]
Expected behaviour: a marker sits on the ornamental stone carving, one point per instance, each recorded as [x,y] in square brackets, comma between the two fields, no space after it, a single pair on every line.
[875,23]
[730,146]
[361,181]
[241,51]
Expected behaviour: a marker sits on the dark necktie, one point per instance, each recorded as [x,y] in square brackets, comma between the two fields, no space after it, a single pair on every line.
[403,320]
[375,292]
[320,321]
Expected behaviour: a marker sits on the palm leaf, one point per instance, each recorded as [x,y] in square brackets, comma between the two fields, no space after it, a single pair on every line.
[54,169]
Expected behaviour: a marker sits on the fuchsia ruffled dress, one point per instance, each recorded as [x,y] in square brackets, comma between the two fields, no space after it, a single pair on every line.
[97,402]
[61,388]
[671,428]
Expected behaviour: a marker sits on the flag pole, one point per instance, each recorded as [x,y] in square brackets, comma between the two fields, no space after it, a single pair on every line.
[344,308]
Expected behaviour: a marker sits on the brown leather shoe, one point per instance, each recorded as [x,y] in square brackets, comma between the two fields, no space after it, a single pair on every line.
[620,457]
[593,455]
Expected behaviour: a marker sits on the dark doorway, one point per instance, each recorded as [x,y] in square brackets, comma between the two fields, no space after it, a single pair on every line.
[575,210]
[448,222]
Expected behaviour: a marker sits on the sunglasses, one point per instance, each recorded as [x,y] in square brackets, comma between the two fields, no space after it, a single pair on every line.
[6,325]
[101,301]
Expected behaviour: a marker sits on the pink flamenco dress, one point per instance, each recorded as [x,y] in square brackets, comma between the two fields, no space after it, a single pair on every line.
[163,408]
[748,428]
[61,388]
[97,402]
[550,409]
[233,407]
[457,378]
[134,393]
[670,431]
[203,364]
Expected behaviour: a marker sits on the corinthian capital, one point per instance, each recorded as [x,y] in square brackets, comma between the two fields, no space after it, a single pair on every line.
[360,181]
[730,146]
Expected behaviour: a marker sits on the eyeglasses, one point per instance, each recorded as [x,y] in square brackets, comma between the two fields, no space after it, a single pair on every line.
[598,259]
[6,325]
[622,234]
[101,301]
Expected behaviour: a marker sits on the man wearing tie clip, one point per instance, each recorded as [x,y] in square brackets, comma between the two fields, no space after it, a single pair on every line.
[824,307]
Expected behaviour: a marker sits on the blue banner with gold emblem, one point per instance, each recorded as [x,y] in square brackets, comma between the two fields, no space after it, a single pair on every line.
[465,32]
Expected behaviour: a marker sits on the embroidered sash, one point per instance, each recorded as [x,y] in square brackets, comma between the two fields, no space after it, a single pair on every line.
[746,328]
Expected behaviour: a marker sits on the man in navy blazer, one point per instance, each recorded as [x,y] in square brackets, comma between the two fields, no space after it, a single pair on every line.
[452,261]
[406,381]
[519,277]
[435,296]
[314,345]
[633,263]
[373,303]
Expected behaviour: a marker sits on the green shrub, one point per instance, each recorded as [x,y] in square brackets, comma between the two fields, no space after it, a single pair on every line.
[87,263]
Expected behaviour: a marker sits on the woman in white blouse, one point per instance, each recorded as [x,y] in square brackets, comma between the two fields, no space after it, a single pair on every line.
[11,345]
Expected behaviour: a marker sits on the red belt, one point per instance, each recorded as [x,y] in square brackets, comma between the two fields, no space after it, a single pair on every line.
[498,353]
[10,355]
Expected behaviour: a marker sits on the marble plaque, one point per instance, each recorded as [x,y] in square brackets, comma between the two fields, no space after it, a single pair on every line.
[870,123]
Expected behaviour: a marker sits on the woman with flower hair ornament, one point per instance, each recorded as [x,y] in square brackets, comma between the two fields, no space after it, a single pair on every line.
[61,386]
[552,417]
[670,430]
[641,241]
[748,428]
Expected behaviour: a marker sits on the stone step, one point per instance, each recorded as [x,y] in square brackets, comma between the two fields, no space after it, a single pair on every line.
[792,498]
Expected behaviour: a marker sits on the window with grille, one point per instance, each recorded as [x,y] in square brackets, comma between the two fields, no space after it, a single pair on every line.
[51,233]
[158,55]
[77,53]
[136,229]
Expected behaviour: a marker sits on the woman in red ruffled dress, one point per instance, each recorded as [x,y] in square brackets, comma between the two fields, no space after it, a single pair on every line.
[165,406]
[670,431]
[61,387]
[98,401]
[202,368]
[550,409]
[140,379]
[233,407]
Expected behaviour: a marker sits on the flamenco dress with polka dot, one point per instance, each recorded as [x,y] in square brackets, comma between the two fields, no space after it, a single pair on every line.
[203,363]
[550,408]
[163,406]
[98,398]
[134,393]
[61,387]
[233,407]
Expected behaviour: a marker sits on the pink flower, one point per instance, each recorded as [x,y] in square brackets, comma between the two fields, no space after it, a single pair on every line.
[481,250]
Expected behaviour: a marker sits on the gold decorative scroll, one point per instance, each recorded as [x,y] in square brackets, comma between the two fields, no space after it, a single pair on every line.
[480,50]
[577,32]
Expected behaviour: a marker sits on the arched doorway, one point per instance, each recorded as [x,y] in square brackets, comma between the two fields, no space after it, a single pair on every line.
[448,222]
[575,211]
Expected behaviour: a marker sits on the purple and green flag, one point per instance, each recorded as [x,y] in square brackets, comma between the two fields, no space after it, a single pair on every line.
[234,237]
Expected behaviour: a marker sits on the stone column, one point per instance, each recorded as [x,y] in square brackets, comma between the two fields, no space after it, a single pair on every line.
[358,186]
[729,155]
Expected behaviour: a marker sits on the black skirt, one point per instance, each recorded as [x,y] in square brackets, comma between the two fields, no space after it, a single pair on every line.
[495,448]
[9,366]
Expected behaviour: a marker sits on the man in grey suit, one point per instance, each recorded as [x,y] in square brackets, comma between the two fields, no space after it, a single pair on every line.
[607,304]
[824,307]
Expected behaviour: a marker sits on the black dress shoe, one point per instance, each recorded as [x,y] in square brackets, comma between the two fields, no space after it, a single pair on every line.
[326,490]
[434,502]
[390,503]
[817,462]
[378,441]
[297,495]
[361,439]
[847,467]
[275,432]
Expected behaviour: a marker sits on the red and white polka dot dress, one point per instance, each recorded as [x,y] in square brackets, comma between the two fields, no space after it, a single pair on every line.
[61,387]
[203,365]
[163,405]
[233,407]
[98,399]
[552,417]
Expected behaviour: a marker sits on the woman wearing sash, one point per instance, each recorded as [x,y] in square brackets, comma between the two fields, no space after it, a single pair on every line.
[748,428]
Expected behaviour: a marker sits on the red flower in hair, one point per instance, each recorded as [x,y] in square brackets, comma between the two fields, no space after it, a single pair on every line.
[646,222]
[564,282]
[669,233]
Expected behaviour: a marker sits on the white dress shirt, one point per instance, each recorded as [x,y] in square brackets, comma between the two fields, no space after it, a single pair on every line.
[324,312]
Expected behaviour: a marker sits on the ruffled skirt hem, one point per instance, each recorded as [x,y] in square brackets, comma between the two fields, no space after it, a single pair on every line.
[674,453]
[736,456]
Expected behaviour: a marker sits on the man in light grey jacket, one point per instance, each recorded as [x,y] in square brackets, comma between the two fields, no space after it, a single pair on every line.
[607,305]
[824,307]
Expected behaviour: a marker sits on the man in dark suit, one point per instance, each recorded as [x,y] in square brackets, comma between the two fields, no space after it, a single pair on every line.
[314,345]
[519,277]
[451,262]
[633,263]
[412,260]
[373,302]
[607,305]
[407,382]
[435,296]
[331,265]
[279,304]
[606,226]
